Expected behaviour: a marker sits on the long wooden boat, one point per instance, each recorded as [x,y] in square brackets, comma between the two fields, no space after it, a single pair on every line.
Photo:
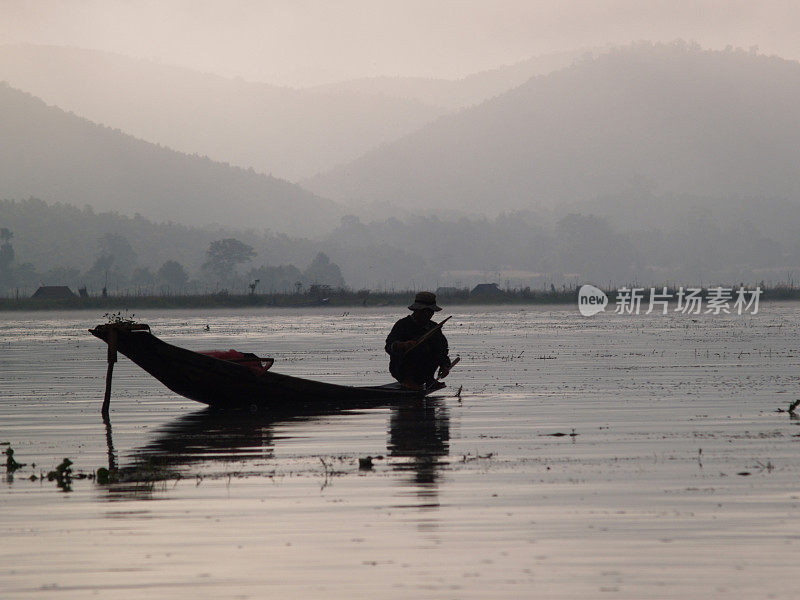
[235,379]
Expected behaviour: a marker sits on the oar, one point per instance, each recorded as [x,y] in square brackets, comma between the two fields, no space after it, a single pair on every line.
[426,336]
[456,360]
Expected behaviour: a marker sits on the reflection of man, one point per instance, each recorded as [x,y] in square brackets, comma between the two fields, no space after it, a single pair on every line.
[414,365]
[420,431]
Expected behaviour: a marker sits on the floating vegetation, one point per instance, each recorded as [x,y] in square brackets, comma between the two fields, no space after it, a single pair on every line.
[105,476]
[11,464]
[561,434]
[469,457]
[62,475]
[792,408]
[768,466]
[759,467]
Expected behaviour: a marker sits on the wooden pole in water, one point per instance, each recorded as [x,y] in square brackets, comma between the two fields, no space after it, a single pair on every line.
[112,358]
[112,455]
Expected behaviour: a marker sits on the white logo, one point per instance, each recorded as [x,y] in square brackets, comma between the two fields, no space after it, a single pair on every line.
[591,300]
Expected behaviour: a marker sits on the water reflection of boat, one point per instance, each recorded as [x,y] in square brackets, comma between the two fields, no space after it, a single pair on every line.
[239,442]
[227,383]
[235,440]
[203,436]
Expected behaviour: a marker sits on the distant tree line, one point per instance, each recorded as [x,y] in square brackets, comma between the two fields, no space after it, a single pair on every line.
[632,238]
[115,264]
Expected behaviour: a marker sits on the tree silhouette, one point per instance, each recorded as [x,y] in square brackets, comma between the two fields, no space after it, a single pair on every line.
[172,275]
[323,272]
[119,249]
[223,256]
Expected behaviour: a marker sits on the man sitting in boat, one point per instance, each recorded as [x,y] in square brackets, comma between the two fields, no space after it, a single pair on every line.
[413,364]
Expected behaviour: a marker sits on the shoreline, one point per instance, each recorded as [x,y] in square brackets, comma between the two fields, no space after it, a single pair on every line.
[343,300]
[338,298]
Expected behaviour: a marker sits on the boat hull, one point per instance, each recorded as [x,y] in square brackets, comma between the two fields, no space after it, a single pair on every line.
[225,384]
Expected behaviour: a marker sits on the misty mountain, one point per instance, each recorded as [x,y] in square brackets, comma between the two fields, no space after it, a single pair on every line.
[457,93]
[60,157]
[667,119]
[285,132]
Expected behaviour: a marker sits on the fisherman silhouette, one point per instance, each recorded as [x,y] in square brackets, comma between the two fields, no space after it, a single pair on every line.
[413,364]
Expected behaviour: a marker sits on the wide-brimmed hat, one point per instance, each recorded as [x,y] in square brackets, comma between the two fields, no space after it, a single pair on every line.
[424,300]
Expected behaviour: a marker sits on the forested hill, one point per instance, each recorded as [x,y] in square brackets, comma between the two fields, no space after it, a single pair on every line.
[671,119]
[59,157]
[286,132]
[457,93]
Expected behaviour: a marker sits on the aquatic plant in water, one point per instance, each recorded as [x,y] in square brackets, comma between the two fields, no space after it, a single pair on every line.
[11,464]
[792,408]
[62,475]
[120,317]
[105,476]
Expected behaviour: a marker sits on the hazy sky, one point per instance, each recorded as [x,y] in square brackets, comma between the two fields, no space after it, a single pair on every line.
[301,42]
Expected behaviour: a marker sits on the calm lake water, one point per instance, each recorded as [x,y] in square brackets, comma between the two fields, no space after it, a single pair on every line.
[615,456]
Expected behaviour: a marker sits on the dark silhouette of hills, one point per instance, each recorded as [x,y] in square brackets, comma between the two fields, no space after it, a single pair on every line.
[60,157]
[666,119]
[281,131]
